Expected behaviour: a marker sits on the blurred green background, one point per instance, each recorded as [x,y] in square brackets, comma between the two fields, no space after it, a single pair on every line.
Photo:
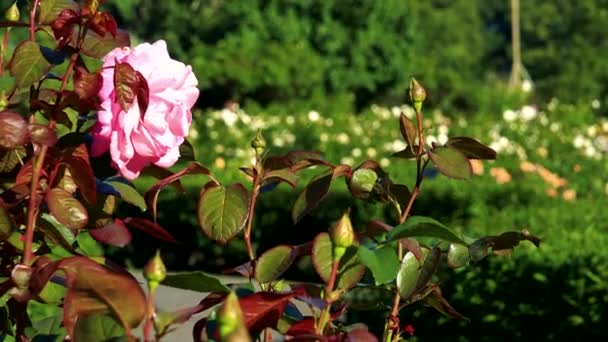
[332,75]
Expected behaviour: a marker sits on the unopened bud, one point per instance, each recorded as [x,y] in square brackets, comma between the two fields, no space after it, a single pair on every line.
[342,235]
[417,94]
[155,271]
[21,276]
[362,182]
[231,324]
[12,13]
[258,143]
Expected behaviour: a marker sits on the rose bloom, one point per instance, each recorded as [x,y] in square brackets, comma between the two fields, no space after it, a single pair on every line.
[135,141]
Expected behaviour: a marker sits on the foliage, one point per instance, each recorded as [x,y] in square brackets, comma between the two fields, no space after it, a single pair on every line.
[59,204]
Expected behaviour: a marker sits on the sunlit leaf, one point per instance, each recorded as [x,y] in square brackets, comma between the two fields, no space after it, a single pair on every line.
[128,194]
[195,281]
[45,320]
[9,159]
[13,130]
[66,209]
[263,309]
[77,160]
[223,211]
[50,9]
[97,47]
[408,275]
[273,263]
[56,232]
[422,226]
[28,65]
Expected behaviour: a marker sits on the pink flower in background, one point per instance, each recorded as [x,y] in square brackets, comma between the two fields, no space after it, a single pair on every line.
[135,141]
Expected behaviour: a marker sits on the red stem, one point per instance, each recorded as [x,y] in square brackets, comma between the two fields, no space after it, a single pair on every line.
[2,48]
[33,20]
[32,212]
[149,315]
[255,190]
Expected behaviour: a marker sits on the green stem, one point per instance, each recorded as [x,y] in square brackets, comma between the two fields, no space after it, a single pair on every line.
[325,315]
[255,191]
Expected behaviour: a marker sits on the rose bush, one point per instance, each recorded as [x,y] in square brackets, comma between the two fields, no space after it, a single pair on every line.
[135,140]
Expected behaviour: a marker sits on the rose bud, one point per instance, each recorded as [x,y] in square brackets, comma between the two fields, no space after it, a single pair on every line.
[417,94]
[155,271]
[342,235]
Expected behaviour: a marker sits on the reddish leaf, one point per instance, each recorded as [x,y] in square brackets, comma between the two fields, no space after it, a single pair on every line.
[295,160]
[151,195]
[78,162]
[360,335]
[13,130]
[282,175]
[408,131]
[143,94]
[63,25]
[51,9]
[407,153]
[93,288]
[471,148]
[87,85]
[24,176]
[43,135]
[151,228]
[102,23]
[451,162]
[66,209]
[263,309]
[436,300]
[114,234]
[307,324]
[126,83]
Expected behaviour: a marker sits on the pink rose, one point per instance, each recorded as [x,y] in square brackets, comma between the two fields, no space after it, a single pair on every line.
[135,142]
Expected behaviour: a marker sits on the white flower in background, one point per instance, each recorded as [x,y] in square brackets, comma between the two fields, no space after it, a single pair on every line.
[278,142]
[324,137]
[442,138]
[387,146]
[521,153]
[342,138]
[357,129]
[209,122]
[329,122]
[376,124]
[274,120]
[528,113]
[602,143]
[229,117]
[595,104]
[430,139]
[396,111]
[384,162]
[605,126]
[544,120]
[398,145]
[246,118]
[554,127]
[408,111]
[591,152]
[462,122]
[371,152]
[579,141]
[290,120]
[495,146]
[313,116]
[443,130]
[347,161]
[552,104]
[258,123]
[219,148]
[366,140]
[290,138]
[527,86]
[592,131]
[356,152]
[213,135]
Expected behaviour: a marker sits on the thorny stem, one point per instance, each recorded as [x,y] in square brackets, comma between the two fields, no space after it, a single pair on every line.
[32,211]
[325,316]
[420,167]
[33,20]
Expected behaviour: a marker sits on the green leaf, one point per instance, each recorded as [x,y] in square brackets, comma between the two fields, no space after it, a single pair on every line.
[223,211]
[46,320]
[7,224]
[273,263]
[66,209]
[282,175]
[436,300]
[408,131]
[429,267]
[471,148]
[50,9]
[419,226]
[383,262]
[451,162]
[186,151]
[28,64]
[129,194]
[97,47]
[195,281]
[88,246]
[57,232]
[98,328]
[13,130]
[350,271]
[11,158]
